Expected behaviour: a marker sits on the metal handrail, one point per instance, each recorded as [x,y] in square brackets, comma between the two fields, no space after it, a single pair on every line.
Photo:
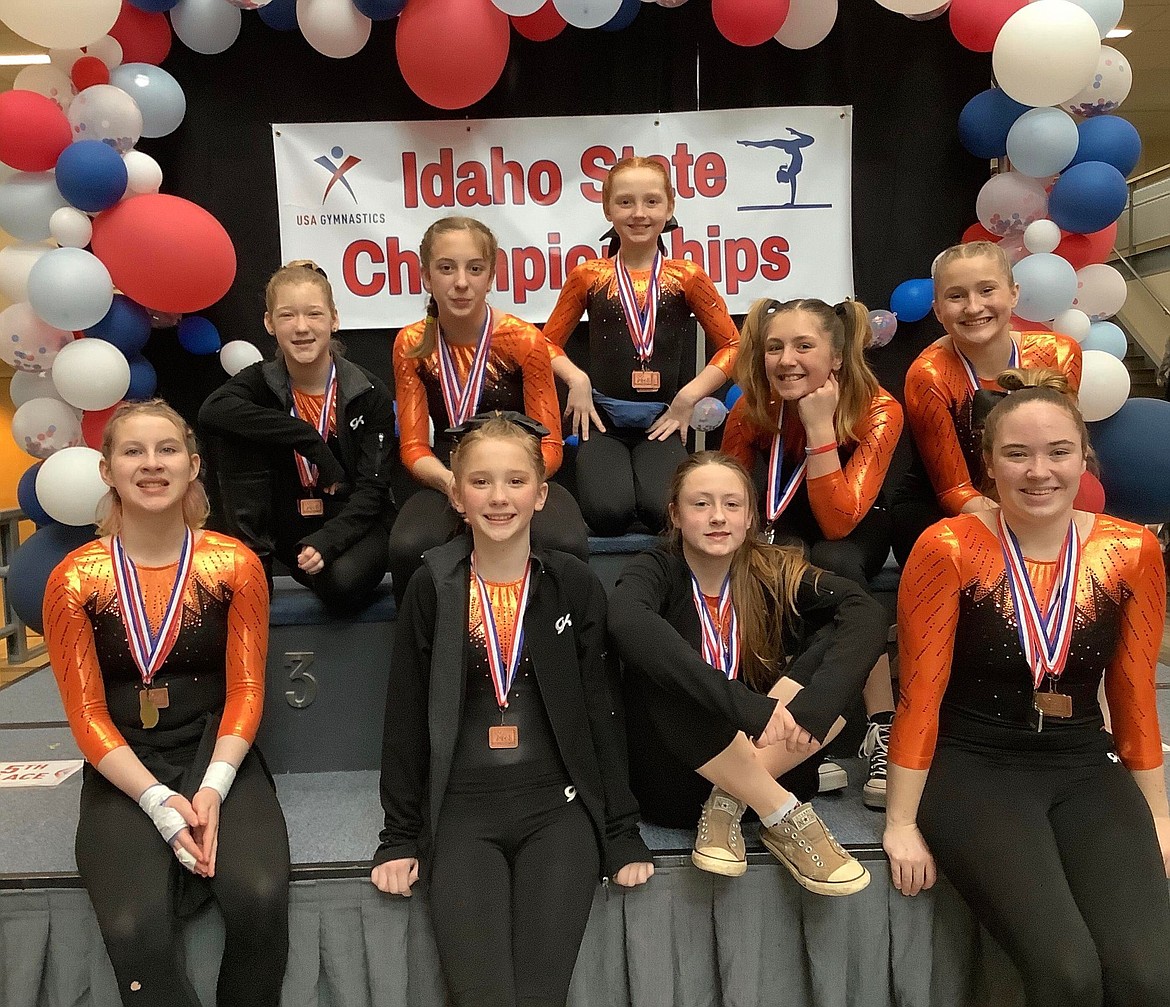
[13,631]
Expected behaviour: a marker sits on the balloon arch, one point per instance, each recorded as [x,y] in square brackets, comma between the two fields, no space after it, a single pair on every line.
[102,257]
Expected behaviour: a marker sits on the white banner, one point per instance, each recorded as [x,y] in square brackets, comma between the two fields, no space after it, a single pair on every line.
[763,201]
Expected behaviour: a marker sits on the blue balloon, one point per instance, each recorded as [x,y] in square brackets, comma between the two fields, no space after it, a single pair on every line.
[732,396]
[1111,139]
[377,10]
[1048,286]
[26,497]
[624,17]
[985,121]
[197,335]
[126,325]
[32,563]
[91,175]
[1133,447]
[573,440]
[1042,142]
[1087,197]
[280,14]
[911,300]
[143,380]
[157,94]
[1108,337]
[153,6]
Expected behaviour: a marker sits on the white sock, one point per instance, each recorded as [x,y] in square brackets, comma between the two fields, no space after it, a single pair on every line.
[777,816]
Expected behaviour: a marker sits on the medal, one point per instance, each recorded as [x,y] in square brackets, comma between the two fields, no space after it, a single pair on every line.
[645,381]
[462,400]
[641,323]
[719,653]
[781,492]
[501,667]
[305,470]
[1045,638]
[969,368]
[311,506]
[149,650]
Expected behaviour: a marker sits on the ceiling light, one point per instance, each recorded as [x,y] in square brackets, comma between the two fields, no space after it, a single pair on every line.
[24,59]
[1120,33]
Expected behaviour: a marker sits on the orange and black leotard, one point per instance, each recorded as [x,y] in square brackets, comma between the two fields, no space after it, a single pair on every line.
[964,677]
[938,405]
[518,376]
[684,289]
[217,662]
[838,501]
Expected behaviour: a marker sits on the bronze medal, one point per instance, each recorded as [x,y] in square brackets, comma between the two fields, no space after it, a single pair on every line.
[147,711]
[646,381]
[160,697]
[311,506]
[503,736]
[1052,704]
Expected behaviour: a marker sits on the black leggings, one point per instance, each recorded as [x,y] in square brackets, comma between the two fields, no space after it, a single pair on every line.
[623,477]
[858,557]
[512,884]
[1061,864]
[427,519]
[132,875]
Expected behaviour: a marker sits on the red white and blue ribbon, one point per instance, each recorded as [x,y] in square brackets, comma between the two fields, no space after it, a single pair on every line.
[502,668]
[462,400]
[1044,637]
[306,469]
[718,652]
[148,649]
[780,492]
[969,368]
[641,323]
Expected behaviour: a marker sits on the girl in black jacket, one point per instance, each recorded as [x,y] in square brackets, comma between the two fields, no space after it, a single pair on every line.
[306,448]
[503,771]
[707,631]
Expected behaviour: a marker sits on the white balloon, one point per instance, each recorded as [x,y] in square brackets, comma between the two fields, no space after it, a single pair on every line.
[679,3]
[91,374]
[49,80]
[60,24]
[931,15]
[335,28]
[70,228]
[70,288]
[1046,52]
[42,426]
[69,485]
[1104,385]
[28,343]
[249,4]
[1041,236]
[1101,291]
[28,385]
[522,8]
[27,201]
[207,26]
[587,13]
[807,24]
[108,49]
[1009,202]
[64,58]
[16,261]
[1107,89]
[157,94]
[1073,323]
[237,355]
[910,7]
[144,174]
[107,113]
[1042,142]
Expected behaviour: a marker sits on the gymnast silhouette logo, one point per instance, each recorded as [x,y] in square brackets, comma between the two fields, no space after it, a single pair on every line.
[789,170]
[338,170]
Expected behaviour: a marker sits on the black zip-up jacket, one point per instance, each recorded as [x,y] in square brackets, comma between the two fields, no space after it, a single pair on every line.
[564,634]
[256,405]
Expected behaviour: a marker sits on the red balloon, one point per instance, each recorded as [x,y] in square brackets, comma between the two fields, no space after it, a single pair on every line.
[93,425]
[33,131]
[1091,495]
[1085,249]
[546,23]
[89,70]
[467,64]
[749,22]
[164,252]
[145,38]
[977,232]
[976,23]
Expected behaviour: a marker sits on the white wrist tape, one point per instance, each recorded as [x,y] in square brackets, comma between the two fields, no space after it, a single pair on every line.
[167,820]
[219,777]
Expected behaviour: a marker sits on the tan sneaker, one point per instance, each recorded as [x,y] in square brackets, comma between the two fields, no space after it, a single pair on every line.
[802,844]
[719,842]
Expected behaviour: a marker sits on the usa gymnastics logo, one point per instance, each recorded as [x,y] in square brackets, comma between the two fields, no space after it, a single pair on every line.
[337,163]
[792,149]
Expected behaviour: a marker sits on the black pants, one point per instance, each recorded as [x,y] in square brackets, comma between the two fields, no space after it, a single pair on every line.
[914,508]
[427,519]
[1061,864]
[622,477]
[859,556]
[512,884]
[132,877]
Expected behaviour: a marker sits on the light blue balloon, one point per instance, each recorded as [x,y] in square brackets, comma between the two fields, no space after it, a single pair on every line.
[1048,286]
[70,289]
[1108,337]
[1042,142]
[157,94]
[1106,13]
